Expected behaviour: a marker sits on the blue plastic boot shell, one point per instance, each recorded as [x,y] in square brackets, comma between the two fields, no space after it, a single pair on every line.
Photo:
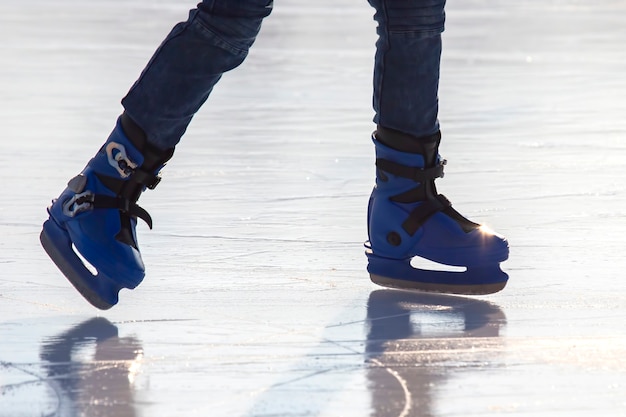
[92,230]
[440,239]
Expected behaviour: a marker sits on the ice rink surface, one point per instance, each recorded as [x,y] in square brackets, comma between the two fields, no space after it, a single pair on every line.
[256,300]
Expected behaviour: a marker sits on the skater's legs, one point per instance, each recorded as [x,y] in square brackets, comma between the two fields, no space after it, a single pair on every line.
[97,213]
[406,68]
[406,215]
[190,61]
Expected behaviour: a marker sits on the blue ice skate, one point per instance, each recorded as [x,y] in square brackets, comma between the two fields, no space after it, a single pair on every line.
[407,218]
[97,214]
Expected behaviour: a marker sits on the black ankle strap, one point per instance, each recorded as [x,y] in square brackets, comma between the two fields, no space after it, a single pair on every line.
[424,193]
[412,173]
[403,142]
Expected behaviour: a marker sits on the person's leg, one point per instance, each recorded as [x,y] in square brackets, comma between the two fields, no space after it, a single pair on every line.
[97,213]
[406,215]
[190,61]
[406,66]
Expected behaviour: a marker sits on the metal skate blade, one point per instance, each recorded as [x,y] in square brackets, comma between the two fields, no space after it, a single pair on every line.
[427,284]
[402,274]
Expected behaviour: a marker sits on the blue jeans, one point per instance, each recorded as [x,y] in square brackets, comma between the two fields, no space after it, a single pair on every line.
[219,33]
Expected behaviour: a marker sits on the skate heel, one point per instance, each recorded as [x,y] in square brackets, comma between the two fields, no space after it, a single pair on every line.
[100,291]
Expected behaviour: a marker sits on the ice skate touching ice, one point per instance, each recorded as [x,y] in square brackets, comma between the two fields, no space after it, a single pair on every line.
[96,215]
[408,218]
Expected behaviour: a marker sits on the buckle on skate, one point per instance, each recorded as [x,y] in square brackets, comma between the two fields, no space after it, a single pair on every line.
[412,173]
[116,154]
[147,178]
[79,203]
[156,180]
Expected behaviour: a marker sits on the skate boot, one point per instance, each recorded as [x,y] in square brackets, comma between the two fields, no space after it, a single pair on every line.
[408,218]
[97,214]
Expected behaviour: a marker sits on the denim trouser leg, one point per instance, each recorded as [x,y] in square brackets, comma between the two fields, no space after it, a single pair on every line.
[190,61]
[406,68]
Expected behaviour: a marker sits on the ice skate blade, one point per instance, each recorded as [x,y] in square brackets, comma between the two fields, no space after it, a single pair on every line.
[442,288]
[476,280]
[98,290]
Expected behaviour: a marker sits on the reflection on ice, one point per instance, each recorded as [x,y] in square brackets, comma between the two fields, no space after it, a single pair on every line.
[416,341]
[91,370]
